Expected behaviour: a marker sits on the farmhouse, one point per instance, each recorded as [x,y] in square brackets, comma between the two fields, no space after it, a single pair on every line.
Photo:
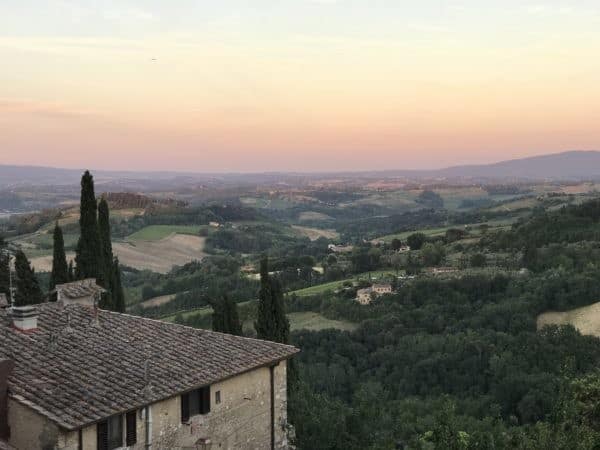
[75,377]
[365,296]
[340,248]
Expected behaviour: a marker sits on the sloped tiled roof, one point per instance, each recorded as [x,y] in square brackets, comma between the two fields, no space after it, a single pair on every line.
[76,373]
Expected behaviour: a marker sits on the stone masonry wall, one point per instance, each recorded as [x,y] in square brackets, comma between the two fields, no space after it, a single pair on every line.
[240,421]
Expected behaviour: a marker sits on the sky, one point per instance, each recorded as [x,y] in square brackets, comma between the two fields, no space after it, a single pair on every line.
[295,85]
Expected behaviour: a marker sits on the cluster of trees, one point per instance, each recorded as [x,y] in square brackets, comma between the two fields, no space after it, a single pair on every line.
[430,199]
[194,285]
[471,343]
[94,257]
[570,224]
[26,286]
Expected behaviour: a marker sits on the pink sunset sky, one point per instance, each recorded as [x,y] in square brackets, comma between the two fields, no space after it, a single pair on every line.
[296,85]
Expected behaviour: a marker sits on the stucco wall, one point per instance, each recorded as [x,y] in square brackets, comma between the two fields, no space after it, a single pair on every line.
[241,421]
[29,430]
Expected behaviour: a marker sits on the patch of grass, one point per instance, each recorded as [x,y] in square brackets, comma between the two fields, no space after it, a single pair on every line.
[307,320]
[313,321]
[158,232]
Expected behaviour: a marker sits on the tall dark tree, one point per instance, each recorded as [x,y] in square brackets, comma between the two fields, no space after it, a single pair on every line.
[530,256]
[106,277]
[225,317]
[272,323]
[118,296]
[105,241]
[71,271]
[28,290]
[88,256]
[60,268]
[4,268]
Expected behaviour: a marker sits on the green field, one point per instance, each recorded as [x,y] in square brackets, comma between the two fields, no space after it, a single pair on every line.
[333,285]
[313,321]
[474,229]
[306,320]
[158,232]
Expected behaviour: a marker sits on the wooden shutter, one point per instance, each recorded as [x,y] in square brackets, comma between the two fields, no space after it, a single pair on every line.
[131,428]
[185,408]
[205,400]
[102,435]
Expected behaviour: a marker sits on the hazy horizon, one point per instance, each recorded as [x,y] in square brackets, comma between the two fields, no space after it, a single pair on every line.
[304,85]
[283,171]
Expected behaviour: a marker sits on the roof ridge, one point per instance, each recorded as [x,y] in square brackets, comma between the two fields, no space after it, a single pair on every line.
[197,330]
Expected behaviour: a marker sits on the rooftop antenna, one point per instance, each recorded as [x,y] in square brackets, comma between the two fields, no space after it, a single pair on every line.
[95,321]
[147,390]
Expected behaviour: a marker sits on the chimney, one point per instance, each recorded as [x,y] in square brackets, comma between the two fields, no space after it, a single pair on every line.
[6,367]
[25,318]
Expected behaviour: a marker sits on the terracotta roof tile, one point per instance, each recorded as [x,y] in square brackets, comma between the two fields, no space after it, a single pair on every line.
[79,374]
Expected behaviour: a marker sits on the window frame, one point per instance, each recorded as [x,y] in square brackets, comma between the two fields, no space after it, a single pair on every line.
[195,403]
[130,428]
[104,430]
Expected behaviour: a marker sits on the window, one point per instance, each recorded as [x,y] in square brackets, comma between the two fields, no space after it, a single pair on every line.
[131,424]
[194,403]
[217,397]
[110,433]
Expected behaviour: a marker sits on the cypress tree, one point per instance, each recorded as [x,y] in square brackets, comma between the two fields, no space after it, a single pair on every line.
[264,323]
[106,276]
[104,233]
[28,290]
[71,271]
[225,317]
[60,269]
[218,316]
[118,296]
[272,323]
[88,256]
[4,268]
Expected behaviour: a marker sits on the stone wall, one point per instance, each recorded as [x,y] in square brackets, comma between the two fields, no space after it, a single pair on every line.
[241,421]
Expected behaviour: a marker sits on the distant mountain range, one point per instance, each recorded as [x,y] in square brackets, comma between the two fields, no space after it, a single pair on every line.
[573,165]
[567,165]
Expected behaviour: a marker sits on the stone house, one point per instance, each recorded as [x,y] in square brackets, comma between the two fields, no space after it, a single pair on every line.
[79,378]
[365,296]
[382,288]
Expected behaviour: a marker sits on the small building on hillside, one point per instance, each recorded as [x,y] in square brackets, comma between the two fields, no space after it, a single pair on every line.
[340,248]
[73,377]
[81,292]
[365,296]
[3,301]
[442,270]
[382,288]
